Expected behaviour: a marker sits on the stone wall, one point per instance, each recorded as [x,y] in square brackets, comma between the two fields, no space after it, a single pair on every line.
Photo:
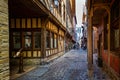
[4,41]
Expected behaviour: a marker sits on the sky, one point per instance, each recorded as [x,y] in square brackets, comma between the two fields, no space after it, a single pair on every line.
[79,11]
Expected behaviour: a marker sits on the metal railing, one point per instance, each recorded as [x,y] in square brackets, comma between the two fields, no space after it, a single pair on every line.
[20,55]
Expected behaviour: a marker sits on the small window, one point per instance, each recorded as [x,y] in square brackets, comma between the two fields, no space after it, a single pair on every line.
[64,12]
[27,37]
[56,2]
[37,39]
[16,40]
[52,40]
[55,41]
[47,39]
[60,8]
[116,43]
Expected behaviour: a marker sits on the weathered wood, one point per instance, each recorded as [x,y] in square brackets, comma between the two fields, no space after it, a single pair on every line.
[90,47]
[4,41]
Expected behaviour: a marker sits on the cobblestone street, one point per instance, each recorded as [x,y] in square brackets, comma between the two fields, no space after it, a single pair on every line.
[71,66]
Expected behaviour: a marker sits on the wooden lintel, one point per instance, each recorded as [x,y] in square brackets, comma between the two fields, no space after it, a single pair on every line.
[100,4]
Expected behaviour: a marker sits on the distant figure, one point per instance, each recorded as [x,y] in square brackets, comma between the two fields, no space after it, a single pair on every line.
[84,43]
[76,46]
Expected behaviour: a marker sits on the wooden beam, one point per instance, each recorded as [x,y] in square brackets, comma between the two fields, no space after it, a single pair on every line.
[112,3]
[100,4]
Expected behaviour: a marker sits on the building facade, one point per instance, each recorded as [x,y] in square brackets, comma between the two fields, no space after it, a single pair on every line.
[34,30]
[70,24]
[104,15]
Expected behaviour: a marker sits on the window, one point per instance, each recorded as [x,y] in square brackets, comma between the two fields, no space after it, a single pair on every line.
[115,26]
[16,40]
[61,43]
[64,12]
[47,39]
[27,38]
[52,40]
[55,41]
[37,40]
[56,2]
[60,8]
[116,38]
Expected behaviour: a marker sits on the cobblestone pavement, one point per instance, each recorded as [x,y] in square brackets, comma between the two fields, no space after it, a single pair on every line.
[71,66]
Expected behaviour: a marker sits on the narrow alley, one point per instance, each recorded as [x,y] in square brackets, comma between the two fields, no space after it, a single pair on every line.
[72,65]
[59,39]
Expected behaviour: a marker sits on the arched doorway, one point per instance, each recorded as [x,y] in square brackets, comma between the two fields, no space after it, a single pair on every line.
[101,20]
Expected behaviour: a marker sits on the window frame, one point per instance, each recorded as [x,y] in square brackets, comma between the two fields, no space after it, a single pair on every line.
[55,41]
[34,39]
[48,46]
[13,39]
[22,40]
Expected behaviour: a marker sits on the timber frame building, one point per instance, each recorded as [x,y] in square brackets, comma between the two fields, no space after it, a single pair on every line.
[104,17]
[37,29]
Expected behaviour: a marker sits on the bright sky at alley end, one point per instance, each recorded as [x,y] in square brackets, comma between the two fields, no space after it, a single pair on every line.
[79,11]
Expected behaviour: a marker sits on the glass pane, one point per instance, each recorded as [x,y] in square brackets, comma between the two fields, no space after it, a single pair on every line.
[16,40]
[16,33]
[52,40]
[47,39]
[37,40]
[117,38]
[28,40]
[55,41]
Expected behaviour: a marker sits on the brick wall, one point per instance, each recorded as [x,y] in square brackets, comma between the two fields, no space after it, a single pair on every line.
[4,41]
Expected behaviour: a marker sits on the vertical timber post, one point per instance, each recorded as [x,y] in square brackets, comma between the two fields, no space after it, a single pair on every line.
[90,47]
[43,40]
[21,70]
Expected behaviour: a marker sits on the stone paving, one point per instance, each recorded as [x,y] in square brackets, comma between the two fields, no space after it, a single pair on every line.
[71,66]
